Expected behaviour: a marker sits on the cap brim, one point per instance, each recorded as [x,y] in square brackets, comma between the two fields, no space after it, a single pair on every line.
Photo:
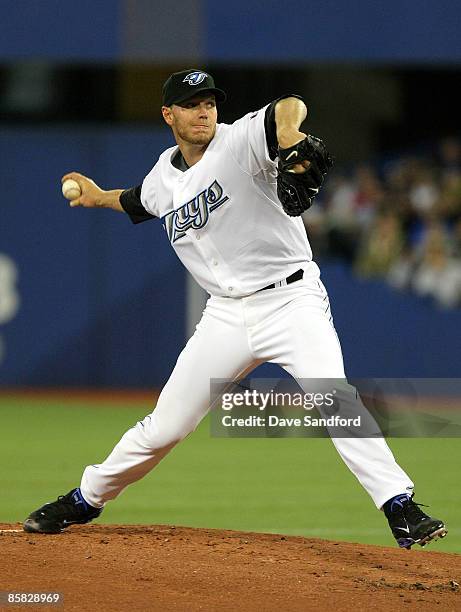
[219,94]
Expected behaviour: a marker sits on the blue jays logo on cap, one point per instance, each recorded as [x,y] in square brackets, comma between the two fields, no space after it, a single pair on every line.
[195,78]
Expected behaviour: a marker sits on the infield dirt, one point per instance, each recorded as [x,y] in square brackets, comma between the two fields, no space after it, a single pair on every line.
[163,568]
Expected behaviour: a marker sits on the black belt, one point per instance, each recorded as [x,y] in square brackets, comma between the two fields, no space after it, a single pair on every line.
[296,276]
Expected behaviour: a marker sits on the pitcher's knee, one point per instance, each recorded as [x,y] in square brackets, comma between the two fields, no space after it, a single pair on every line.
[159,434]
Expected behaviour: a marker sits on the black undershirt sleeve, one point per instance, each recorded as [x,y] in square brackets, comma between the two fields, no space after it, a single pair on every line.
[270,127]
[130,199]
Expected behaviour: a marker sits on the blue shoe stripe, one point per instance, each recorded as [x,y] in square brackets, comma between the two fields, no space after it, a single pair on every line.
[79,499]
[398,501]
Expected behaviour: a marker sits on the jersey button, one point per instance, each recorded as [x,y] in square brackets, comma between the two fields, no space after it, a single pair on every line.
[198,236]
[215,263]
[230,288]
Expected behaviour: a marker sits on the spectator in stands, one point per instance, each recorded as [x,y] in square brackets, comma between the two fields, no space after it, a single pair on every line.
[341,226]
[380,247]
[424,191]
[438,273]
[351,207]
[449,155]
[449,202]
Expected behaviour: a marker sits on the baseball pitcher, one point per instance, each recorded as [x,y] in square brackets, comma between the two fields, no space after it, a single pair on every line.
[230,199]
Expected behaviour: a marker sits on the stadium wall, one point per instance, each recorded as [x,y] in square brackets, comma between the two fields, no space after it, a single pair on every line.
[126,30]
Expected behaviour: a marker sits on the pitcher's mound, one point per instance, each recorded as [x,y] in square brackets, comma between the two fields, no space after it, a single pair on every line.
[160,568]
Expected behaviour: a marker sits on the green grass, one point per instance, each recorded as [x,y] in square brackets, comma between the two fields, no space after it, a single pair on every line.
[291,486]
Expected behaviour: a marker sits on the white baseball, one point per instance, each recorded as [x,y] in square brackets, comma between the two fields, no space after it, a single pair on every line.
[71,189]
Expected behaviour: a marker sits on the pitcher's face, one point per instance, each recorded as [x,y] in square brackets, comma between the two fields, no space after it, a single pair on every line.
[194,120]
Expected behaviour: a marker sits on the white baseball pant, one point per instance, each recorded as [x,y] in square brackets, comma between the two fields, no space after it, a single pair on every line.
[291,326]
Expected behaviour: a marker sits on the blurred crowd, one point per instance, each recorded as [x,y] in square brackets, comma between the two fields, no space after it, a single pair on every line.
[399,221]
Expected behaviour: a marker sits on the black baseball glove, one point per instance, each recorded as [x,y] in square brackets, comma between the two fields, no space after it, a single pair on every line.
[296,191]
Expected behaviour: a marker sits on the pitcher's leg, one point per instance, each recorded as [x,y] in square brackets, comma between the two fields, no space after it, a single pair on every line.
[309,349]
[218,349]
[373,464]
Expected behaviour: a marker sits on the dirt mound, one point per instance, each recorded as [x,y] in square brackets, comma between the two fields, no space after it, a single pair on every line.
[161,568]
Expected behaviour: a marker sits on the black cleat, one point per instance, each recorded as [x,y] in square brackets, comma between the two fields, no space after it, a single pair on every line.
[409,524]
[54,517]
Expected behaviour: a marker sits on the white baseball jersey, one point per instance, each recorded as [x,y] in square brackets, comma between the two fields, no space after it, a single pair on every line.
[222,215]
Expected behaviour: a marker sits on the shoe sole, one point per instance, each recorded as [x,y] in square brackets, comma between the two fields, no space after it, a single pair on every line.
[437,534]
[31,526]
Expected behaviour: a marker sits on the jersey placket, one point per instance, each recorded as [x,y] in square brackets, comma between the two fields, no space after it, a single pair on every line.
[214,261]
